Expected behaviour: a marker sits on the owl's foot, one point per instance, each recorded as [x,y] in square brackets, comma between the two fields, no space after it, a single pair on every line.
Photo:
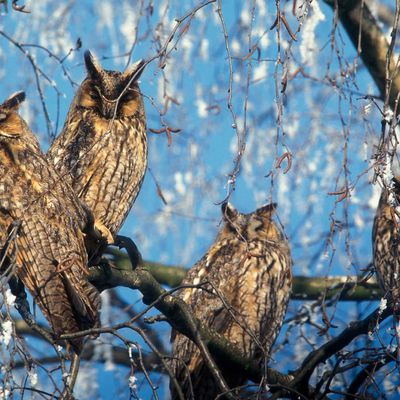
[96,241]
[21,302]
[106,235]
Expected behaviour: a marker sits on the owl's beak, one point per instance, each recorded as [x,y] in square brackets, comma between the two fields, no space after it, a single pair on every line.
[108,109]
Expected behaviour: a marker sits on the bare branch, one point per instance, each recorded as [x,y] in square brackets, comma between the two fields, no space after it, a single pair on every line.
[179,316]
[374,48]
[323,353]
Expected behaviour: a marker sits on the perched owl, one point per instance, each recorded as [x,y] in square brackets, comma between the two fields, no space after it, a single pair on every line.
[249,269]
[386,243]
[102,149]
[51,259]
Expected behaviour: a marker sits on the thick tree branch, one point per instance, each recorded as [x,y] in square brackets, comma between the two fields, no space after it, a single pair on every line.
[169,275]
[371,44]
[348,288]
[228,356]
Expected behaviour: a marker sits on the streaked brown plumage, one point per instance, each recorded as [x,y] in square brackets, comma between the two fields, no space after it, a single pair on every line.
[102,149]
[50,254]
[250,266]
[386,243]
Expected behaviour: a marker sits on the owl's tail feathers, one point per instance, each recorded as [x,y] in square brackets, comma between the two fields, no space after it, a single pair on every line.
[85,301]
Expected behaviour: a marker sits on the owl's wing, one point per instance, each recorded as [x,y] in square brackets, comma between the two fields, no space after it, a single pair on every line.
[189,368]
[51,258]
[71,148]
[53,268]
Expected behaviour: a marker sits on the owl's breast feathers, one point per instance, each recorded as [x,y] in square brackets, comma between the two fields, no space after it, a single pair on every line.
[105,161]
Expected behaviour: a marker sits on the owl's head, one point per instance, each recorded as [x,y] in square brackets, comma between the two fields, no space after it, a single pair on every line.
[255,225]
[111,94]
[11,124]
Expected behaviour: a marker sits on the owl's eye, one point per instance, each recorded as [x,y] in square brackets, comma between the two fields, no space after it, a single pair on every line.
[94,95]
[3,117]
[128,96]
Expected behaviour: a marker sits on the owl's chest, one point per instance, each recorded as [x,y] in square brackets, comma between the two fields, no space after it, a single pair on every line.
[111,148]
[230,269]
[124,135]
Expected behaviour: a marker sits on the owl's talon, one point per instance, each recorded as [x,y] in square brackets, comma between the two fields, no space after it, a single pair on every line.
[123,242]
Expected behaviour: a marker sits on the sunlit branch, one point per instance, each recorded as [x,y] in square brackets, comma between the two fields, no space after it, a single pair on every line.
[348,288]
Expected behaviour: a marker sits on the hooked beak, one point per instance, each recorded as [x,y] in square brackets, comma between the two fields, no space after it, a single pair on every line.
[108,109]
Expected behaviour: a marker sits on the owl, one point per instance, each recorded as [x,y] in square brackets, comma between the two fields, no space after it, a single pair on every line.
[246,281]
[51,260]
[386,243]
[102,149]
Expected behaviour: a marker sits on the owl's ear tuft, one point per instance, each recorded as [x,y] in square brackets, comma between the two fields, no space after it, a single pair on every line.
[134,71]
[229,212]
[267,210]
[93,67]
[14,101]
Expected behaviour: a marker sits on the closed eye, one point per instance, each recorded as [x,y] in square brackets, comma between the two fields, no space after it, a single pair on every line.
[128,97]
